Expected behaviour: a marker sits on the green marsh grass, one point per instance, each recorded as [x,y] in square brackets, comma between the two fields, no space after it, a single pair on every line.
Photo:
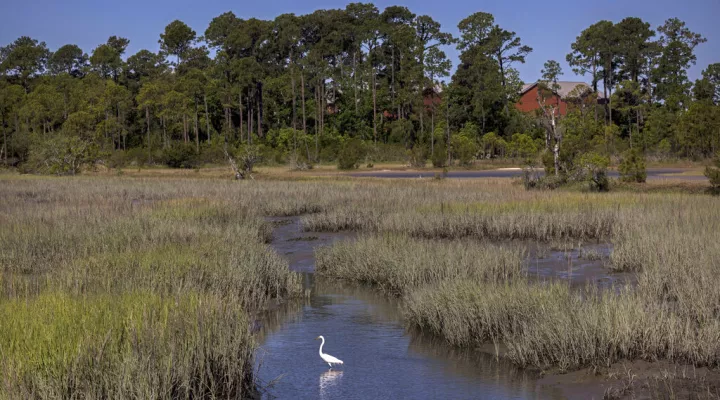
[133,345]
[117,288]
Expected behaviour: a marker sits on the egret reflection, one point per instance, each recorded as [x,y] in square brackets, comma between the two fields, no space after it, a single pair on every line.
[328,380]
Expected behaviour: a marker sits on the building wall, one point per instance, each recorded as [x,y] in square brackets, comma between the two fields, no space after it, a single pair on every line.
[528,102]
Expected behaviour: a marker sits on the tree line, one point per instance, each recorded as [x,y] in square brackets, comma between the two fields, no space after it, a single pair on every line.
[354,82]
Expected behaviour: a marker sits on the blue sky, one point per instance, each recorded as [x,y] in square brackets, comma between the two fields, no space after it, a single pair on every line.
[547,26]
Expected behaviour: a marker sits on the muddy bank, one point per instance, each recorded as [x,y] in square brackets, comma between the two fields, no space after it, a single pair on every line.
[637,380]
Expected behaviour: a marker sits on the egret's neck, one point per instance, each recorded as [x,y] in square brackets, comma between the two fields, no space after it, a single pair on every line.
[321,345]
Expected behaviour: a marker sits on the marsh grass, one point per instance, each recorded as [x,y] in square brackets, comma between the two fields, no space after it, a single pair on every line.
[176,267]
[398,264]
[549,326]
[670,241]
[479,210]
[133,345]
[136,289]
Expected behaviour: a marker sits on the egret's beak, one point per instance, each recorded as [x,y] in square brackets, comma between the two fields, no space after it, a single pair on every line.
[317,338]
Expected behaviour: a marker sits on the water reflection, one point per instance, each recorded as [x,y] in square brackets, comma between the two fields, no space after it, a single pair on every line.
[470,364]
[580,264]
[328,380]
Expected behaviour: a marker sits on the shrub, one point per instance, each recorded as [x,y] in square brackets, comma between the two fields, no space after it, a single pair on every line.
[713,174]
[632,167]
[136,156]
[592,167]
[401,131]
[664,148]
[62,155]
[522,145]
[532,180]
[439,158]
[492,145]
[181,155]
[417,156]
[351,154]
[464,149]
[211,154]
[548,161]
[139,156]
[118,159]
[386,152]
[531,177]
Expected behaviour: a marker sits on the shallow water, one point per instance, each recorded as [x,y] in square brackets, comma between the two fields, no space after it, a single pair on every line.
[583,265]
[364,329]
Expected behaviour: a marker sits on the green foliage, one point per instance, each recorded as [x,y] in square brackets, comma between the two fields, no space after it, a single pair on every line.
[632,166]
[285,139]
[492,145]
[176,39]
[522,146]
[664,148]
[385,152]
[417,156]
[551,72]
[254,82]
[400,131]
[592,167]
[118,159]
[697,130]
[464,147]
[24,58]
[676,56]
[548,162]
[62,155]
[180,155]
[352,152]
[713,174]
[439,158]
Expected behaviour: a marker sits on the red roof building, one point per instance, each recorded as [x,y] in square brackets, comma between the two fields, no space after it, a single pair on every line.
[567,92]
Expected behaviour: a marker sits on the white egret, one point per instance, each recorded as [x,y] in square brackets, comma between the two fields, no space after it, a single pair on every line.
[327,357]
